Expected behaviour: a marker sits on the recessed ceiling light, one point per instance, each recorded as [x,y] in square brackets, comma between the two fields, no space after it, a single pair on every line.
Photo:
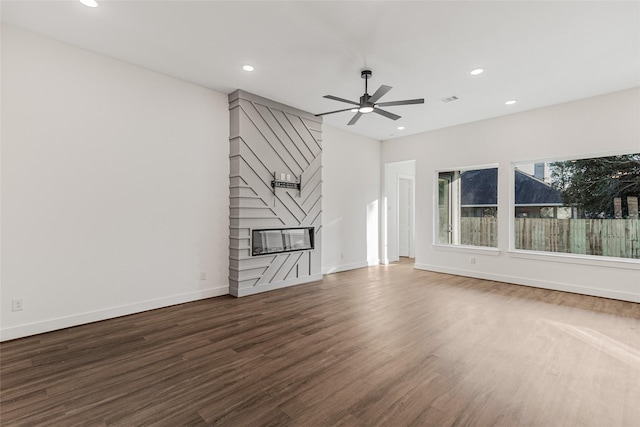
[89,3]
[477,71]
[400,127]
[511,102]
[248,67]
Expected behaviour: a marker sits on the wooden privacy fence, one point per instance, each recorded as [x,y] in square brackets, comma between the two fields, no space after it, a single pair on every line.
[606,237]
[479,231]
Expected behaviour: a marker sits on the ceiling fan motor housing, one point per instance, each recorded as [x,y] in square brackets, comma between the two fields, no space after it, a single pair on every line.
[364,100]
[364,103]
[365,74]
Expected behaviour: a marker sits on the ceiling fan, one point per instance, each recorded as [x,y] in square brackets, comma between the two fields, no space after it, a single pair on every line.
[368,102]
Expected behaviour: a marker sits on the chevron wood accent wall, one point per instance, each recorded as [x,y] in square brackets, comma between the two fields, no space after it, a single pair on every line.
[268,137]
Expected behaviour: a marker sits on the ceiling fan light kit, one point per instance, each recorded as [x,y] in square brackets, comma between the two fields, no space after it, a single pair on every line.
[368,103]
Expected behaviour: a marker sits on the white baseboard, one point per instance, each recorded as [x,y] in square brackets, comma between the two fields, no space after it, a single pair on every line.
[605,293]
[108,313]
[345,267]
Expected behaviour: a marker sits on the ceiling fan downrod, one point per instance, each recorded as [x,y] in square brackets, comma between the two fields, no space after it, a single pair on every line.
[365,105]
[365,74]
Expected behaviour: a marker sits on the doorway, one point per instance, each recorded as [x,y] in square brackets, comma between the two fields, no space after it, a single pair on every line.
[398,212]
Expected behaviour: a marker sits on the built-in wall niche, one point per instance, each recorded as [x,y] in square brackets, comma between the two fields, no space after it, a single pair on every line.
[279,240]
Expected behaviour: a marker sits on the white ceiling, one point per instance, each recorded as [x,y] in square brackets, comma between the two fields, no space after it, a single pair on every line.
[538,52]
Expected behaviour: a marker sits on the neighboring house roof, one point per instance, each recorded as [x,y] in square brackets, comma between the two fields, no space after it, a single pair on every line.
[479,188]
[532,191]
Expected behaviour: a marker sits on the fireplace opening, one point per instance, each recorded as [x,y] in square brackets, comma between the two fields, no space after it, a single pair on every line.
[279,240]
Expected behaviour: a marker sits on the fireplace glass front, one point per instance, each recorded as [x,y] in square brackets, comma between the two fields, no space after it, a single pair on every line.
[273,241]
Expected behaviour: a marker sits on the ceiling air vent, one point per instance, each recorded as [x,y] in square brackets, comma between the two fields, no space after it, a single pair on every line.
[449,99]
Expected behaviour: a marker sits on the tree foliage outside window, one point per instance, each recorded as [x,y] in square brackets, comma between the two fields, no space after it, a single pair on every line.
[590,185]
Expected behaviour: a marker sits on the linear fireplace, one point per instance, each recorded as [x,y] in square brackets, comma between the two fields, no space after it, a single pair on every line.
[279,240]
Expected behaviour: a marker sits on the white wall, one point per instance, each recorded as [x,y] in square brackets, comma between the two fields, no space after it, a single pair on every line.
[114,187]
[603,124]
[351,190]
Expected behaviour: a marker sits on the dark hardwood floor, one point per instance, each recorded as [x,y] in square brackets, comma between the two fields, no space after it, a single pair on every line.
[388,345]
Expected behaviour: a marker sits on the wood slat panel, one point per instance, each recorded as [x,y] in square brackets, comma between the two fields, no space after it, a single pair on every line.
[259,179]
[260,138]
[303,132]
[274,268]
[292,149]
[292,134]
[268,137]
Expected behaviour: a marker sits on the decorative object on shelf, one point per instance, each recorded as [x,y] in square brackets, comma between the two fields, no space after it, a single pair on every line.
[286,183]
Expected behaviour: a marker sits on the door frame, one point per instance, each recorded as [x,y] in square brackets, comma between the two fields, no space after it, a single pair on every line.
[412,222]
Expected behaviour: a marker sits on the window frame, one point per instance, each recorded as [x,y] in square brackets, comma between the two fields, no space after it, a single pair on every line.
[491,250]
[562,257]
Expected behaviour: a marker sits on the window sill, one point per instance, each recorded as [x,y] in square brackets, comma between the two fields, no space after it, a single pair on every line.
[479,250]
[599,261]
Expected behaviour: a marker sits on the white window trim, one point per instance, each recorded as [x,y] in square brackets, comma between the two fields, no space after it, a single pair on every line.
[479,250]
[435,201]
[563,257]
[567,258]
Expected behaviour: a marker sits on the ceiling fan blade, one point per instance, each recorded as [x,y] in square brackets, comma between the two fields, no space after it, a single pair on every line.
[405,102]
[382,90]
[354,119]
[335,98]
[331,112]
[387,114]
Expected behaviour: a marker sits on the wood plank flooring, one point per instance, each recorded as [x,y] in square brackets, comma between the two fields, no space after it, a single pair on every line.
[387,346]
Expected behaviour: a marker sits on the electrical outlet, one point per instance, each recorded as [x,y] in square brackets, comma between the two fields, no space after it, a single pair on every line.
[16,304]
[472,260]
[203,276]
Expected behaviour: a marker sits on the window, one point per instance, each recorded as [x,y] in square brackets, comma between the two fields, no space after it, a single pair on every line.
[468,207]
[580,206]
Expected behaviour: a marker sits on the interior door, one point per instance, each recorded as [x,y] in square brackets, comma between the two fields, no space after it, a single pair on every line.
[405,217]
